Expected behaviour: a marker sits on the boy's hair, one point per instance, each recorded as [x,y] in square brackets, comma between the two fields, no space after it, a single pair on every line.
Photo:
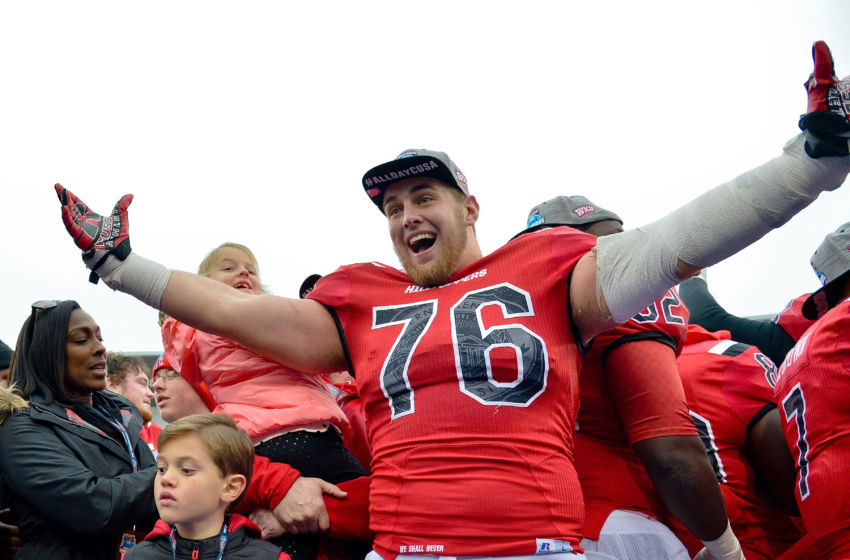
[118,366]
[228,446]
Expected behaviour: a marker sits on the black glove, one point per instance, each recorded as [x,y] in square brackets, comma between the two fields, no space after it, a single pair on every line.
[826,124]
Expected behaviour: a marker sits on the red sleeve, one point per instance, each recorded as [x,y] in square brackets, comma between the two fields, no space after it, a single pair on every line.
[349,516]
[334,290]
[180,344]
[269,484]
[791,318]
[644,382]
[804,549]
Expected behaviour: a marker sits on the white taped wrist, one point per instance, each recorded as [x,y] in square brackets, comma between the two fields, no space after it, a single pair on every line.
[726,546]
[636,267]
[143,279]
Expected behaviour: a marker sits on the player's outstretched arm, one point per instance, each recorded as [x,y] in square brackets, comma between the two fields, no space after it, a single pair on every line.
[637,266]
[298,333]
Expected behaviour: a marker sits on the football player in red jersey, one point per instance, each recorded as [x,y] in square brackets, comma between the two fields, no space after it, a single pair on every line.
[812,392]
[467,363]
[729,388]
[773,337]
[792,320]
[636,447]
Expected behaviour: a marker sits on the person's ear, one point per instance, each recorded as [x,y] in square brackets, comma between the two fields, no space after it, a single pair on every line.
[472,210]
[233,486]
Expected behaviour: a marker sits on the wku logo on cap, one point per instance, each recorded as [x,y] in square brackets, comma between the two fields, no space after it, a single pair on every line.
[582,210]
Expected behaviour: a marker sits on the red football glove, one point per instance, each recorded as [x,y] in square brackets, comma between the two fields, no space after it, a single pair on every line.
[97,236]
[826,124]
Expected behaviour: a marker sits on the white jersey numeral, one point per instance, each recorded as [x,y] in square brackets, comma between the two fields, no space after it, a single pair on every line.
[473,344]
[794,405]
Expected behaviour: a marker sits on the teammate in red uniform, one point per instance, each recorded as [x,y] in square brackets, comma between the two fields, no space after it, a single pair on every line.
[812,392]
[729,387]
[468,363]
[773,337]
[792,320]
[633,419]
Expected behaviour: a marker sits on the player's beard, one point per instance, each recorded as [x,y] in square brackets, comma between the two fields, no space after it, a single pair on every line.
[441,269]
[147,415]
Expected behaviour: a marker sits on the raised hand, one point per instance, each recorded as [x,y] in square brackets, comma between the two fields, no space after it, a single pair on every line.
[97,236]
[827,122]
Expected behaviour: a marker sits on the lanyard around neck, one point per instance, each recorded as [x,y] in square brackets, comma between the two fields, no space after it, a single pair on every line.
[222,541]
[120,427]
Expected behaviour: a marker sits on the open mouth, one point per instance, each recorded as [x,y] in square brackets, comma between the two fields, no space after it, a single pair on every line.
[421,242]
[243,286]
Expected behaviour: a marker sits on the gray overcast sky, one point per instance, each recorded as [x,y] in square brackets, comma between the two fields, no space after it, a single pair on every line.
[254,121]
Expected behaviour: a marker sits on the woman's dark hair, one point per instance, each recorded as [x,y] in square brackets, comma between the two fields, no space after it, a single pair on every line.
[39,362]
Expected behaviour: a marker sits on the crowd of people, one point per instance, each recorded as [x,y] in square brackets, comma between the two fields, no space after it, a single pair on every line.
[553,398]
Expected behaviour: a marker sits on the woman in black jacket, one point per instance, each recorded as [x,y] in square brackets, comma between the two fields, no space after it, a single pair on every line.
[76,472]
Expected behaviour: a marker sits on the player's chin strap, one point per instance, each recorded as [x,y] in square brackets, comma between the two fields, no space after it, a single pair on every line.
[95,258]
[637,266]
[143,279]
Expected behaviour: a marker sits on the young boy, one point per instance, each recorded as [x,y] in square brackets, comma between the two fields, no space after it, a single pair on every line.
[203,468]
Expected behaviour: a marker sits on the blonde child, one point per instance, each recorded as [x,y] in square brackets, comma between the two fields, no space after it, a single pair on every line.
[290,417]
